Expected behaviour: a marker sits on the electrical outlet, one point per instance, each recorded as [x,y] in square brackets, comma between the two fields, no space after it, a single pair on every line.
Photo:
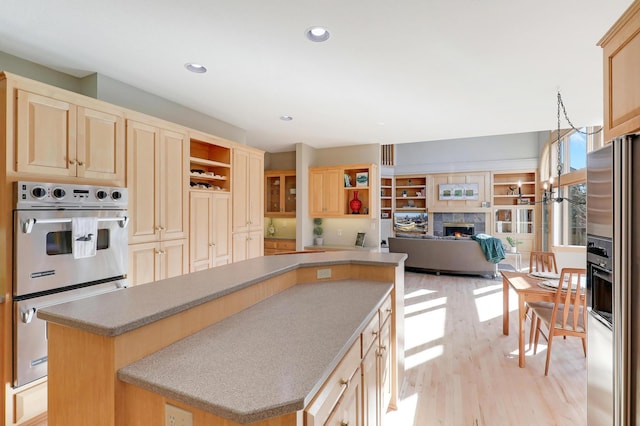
[339,232]
[323,273]
[174,416]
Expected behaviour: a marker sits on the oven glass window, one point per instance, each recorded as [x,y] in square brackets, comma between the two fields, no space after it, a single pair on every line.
[61,242]
[602,292]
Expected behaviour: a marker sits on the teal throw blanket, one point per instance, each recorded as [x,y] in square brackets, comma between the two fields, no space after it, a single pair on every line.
[491,246]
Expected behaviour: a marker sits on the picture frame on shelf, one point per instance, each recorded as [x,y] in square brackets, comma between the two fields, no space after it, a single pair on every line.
[362,179]
[347,181]
[360,239]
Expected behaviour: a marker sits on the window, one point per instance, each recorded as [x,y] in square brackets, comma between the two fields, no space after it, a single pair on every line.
[569,219]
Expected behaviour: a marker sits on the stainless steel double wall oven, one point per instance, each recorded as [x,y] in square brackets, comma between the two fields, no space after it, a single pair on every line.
[47,272]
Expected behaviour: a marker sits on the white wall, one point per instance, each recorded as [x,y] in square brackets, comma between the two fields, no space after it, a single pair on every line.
[118,93]
[503,152]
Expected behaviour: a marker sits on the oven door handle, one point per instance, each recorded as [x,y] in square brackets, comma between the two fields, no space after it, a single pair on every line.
[28,224]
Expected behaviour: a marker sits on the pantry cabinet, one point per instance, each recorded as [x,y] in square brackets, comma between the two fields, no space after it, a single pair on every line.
[157,163]
[248,203]
[58,138]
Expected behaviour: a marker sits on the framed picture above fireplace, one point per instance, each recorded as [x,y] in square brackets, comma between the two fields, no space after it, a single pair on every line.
[462,191]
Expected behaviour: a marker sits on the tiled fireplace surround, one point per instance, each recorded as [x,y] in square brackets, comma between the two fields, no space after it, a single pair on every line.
[478,219]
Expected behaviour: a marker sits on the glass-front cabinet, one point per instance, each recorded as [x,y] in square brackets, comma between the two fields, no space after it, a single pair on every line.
[280,193]
[517,223]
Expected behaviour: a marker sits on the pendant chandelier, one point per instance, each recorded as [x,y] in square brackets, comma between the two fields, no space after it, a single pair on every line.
[551,194]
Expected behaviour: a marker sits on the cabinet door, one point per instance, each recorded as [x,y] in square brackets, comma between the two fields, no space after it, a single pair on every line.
[348,410]
[385,368]
[142,161]
[325,189]
[174,258]
[221,229]
[240,246]
[240,185]
[316,193]
[101,145]
[200,225]
[370,386]
[172,175]
[144,266]
[256,195]
[255,246]
[46,135]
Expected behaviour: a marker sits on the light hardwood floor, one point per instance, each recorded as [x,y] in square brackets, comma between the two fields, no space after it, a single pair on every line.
[461,369]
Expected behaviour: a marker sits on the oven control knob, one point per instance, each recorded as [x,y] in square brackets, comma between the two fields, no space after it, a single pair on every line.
[101,195]
[59,193]
[39,192]
[116,195]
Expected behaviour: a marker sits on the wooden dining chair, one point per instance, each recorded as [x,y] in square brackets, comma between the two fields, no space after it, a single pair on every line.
[568,316]
[539,261]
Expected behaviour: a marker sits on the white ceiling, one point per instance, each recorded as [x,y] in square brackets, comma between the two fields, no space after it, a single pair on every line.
[392,72]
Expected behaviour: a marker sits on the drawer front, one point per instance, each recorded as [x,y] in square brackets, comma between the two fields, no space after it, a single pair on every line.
[287,245]
[31,402]
[370,334]
[270,244]
[385,310]
[336,385]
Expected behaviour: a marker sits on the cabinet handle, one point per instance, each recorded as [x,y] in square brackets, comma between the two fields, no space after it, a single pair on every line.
[80,163]
[72,161]
[212,244]
[374,332]
[344,423]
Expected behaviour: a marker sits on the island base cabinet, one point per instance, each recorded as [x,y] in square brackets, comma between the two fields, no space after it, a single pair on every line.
[333,401]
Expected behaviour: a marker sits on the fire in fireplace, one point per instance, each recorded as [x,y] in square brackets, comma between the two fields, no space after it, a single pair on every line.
[458,228]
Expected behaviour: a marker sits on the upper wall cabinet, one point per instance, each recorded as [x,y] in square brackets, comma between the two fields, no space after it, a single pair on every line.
[58,138]
[344,191]
[280,193]
[621,49]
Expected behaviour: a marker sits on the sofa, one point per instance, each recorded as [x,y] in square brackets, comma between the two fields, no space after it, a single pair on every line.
[453,256]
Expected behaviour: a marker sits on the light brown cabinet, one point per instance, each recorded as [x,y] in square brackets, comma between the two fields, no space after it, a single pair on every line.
[621,50]
[248,203]
[340,398]
[150,262]
[58,138]
[157,161]
[331,190]
[280,193]
[210,230]
[376,366]
[325,194]
[273,246]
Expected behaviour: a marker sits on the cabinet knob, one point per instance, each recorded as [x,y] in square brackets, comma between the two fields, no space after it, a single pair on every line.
[80,163]
[374,332]
[72,161]
[212,244]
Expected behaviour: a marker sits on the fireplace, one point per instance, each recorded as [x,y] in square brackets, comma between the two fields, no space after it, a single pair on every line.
[458,228]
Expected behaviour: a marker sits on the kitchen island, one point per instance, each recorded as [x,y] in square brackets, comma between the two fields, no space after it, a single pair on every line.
[120,356]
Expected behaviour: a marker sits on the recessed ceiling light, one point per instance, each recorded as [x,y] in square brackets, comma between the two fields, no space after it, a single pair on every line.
[286,118]
[197,68]
[318,34]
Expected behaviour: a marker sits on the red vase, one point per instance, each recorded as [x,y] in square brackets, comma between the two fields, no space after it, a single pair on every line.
[355,204]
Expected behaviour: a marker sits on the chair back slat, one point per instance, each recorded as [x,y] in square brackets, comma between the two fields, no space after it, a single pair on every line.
[543,261]
[573,298]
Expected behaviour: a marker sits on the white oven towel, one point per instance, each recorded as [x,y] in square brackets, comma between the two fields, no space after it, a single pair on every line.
[84,231]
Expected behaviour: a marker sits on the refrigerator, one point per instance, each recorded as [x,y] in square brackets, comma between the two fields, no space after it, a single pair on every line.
[613,276]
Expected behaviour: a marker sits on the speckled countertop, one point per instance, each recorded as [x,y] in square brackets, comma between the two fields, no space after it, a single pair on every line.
[267,360]
[121,311]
